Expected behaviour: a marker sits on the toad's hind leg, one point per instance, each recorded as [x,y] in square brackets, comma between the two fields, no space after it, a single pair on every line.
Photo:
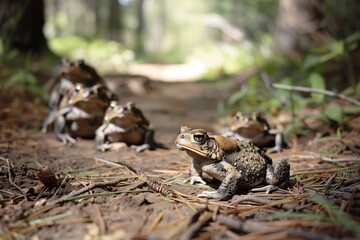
[149,142]
[279,142]
[276,176]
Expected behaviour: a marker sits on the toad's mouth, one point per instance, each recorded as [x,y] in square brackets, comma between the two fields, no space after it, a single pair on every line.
[191,150]
[180,147]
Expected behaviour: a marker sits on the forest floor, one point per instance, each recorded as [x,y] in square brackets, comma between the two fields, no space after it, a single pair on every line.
[322,203]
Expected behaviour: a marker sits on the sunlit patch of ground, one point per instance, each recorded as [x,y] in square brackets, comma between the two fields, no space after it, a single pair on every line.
[186,72]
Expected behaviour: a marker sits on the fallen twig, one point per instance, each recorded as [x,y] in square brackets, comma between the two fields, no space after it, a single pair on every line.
[155,186]
[156,222]
[351,181]
[284,203]
[10,179]
[239,225]
[49,205]
[351,188]
[101,221]
[85,189]
[197,221]
[314,90]
[117,163]
[287,203]
[324,158]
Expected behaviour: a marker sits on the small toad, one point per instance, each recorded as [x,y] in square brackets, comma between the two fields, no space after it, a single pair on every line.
[80,112]
[69,74]
[125,125]
[255,129]
[235,163]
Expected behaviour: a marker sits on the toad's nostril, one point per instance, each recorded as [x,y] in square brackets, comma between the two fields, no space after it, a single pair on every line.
[182,136]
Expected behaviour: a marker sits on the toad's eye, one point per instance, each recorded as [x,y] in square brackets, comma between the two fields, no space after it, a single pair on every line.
[81,62]
[77,88]
[256,116]
[239,117]
[199,137]
[112,104]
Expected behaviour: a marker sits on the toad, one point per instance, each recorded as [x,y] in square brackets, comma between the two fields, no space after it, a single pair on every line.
[80,112]
[235,163]
[255,129]
[125,125]
[70,73]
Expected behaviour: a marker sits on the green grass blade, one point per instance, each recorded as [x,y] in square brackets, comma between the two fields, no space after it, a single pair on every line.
[337,216]
[49,219]
[108,194]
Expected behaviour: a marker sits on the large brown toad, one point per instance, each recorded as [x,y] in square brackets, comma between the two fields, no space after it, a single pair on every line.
[235,163]
[256,129]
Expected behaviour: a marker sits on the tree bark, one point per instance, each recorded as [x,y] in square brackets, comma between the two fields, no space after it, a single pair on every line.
[298,25]
[21,25]
[114,21]
[139,32]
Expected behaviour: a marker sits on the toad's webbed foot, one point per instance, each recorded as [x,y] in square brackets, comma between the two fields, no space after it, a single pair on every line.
[150,143]
[59,128]
[195,179]
[212,195]
[148,146]
[111,146]
[279,143]
[268,189]
[103,147]
[141,148]
[276,149]
[65,138]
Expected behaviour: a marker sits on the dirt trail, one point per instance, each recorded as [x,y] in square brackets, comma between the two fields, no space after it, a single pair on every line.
[167,106]
[138,212]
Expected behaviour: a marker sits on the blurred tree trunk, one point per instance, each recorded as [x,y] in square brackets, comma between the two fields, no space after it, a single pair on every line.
[157,32]
[21,24]
[299,25]
[140,29]
[97,11]
[114,21]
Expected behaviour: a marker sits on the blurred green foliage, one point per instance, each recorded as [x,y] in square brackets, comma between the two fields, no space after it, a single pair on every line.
[16,75]
[107,56]
[226,59]
[172,29]
[257,94]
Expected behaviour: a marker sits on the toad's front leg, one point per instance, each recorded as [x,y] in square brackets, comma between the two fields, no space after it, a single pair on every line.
[101,135]
[100,139]
[59,128]
[279,143]
[195,175]
[229,185]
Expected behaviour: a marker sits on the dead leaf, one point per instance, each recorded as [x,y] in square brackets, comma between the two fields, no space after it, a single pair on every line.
[47,176]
